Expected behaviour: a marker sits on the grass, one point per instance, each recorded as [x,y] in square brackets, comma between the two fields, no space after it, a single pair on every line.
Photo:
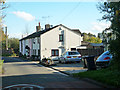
[106,76]
[1,66]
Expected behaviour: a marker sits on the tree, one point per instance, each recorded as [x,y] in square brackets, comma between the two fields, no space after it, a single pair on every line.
[85,37]
[2,35]
[111,12]
[91,38]
[94,40]
[14,44]
[2,7]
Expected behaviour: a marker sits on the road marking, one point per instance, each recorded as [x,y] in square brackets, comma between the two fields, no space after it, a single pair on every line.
[23,86]
[57,71]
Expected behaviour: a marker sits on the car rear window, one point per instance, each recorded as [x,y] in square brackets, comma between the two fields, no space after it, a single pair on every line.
[73,53]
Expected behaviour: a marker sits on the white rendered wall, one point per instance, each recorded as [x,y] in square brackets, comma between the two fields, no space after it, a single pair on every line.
[72,40]
[49,40]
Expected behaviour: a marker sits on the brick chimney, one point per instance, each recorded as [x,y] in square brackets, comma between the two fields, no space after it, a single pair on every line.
[38,28]
[47,26]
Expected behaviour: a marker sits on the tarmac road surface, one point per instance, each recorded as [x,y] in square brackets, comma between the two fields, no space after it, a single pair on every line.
[18,71]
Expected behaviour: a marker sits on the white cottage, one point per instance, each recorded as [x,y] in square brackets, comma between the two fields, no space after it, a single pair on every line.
[51,42]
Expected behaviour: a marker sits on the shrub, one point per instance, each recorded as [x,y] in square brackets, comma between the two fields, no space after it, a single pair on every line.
[24,56]
[1,66]
[20,54]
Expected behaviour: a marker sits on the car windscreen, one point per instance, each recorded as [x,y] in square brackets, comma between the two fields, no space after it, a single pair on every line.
[73,53]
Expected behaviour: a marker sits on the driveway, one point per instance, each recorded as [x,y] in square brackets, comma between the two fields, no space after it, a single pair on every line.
[70,68]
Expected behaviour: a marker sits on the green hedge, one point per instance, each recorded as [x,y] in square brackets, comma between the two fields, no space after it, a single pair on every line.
[1,66]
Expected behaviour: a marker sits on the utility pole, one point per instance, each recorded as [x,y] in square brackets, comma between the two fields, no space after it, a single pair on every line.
[6,38]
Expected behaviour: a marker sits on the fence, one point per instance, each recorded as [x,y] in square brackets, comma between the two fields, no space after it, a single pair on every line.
[89,52]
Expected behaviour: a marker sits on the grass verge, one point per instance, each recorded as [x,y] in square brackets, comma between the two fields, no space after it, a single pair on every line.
[106,76]
[1,67]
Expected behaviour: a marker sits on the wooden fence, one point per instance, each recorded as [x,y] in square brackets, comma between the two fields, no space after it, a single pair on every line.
[89,52]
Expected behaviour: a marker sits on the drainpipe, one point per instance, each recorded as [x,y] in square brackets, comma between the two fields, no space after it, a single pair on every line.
[40,49]
[65,40]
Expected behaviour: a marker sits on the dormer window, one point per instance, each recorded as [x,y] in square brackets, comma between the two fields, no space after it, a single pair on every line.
[61,38]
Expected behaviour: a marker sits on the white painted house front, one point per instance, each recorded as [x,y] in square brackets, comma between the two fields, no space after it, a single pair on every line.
[52,42]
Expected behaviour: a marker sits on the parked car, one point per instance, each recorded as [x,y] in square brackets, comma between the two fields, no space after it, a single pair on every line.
[55,60]
[104,59]
[70,56]
[49,61]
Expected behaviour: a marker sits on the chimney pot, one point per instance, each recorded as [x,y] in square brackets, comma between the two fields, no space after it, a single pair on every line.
[39,24]
[47,26]
[38,28]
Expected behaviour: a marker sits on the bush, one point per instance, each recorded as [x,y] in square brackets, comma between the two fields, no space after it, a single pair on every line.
[1,66]
[6,54]
[24,56]
[13,55]
[33,56]
[20,54]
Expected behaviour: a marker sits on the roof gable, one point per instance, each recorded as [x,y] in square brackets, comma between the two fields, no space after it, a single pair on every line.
[37,34]
[76,31]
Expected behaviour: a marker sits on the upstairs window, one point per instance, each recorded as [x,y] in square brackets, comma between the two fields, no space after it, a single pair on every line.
[60,28]
[61,38]
[33,40]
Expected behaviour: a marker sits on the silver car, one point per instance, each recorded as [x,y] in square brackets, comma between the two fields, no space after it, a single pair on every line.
[104,59]
[70,56]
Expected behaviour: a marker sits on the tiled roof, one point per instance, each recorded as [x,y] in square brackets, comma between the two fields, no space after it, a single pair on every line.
[77,31]
[37,34]
[96,44]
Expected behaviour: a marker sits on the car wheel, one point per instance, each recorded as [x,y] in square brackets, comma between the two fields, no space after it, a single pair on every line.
[78,61]
[63,61]
[60,62]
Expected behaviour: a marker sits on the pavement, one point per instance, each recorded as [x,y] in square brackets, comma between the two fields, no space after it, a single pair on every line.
[70,68]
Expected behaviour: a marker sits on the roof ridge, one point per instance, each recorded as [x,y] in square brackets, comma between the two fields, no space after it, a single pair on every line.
[37,34]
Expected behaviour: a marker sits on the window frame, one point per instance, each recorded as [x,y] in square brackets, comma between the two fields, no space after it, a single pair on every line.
[61,38]
[54,51]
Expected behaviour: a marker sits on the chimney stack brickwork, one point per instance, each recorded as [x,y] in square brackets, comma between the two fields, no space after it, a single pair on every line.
[47,26]
[38,28]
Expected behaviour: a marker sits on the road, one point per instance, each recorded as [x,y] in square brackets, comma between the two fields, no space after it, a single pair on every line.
[18,71]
